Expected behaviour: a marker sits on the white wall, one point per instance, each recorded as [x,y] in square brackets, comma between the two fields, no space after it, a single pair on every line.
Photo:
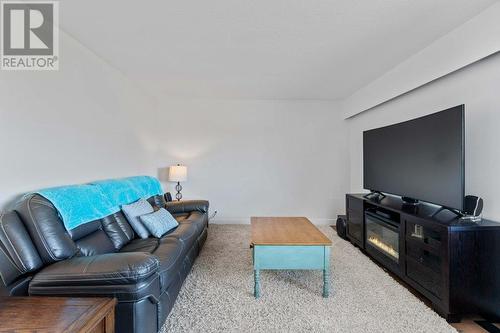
[252,157]
[69,126]
[478,87]
[87,121]
[248,157]
[468,43]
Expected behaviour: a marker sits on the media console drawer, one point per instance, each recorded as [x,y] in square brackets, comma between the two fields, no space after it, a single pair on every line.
[425,277]
[429,258]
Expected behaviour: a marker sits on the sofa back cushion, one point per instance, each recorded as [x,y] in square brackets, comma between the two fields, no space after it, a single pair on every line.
[95,243]
[91,239]
[157,201]
[18,255]
[118,229]
[46,229]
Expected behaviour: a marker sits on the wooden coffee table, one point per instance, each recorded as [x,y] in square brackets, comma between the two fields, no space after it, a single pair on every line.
[289,243]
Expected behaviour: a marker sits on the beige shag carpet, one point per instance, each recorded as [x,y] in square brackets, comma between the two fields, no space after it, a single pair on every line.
[217,296]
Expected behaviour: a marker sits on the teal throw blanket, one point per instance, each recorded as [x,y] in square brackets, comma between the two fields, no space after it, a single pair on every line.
[80,204]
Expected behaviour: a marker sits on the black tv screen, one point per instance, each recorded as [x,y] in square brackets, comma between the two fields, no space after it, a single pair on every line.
[421,159]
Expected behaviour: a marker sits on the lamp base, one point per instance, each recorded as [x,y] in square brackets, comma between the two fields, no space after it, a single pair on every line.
[178,188]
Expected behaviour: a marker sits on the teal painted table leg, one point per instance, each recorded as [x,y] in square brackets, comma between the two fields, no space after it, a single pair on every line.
[326,283]
[326,273]
[256,290]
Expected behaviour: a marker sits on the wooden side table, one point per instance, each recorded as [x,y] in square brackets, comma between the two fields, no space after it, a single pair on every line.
[57,314]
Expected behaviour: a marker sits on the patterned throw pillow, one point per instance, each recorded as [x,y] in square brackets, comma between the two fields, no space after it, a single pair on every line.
[132,213]
[159,222]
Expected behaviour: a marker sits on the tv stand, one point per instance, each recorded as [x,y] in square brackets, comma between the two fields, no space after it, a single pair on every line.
[454,265]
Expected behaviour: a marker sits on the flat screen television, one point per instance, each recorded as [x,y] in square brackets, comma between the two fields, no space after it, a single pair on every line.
[421,159]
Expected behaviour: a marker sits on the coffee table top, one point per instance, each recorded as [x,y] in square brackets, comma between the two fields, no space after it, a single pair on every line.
[286,231]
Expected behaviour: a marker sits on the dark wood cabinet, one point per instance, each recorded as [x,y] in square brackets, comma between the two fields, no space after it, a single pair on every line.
[57,314]
[455,265]
[355,226]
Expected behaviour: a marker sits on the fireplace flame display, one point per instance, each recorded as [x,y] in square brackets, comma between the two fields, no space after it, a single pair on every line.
[384,247]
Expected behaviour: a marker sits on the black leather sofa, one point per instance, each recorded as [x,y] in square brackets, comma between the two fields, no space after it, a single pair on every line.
[101,258]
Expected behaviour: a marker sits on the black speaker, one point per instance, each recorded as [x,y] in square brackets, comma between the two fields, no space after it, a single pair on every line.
[473,205]
[341,226]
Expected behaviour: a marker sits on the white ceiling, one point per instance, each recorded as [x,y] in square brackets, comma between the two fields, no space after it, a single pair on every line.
[289,49]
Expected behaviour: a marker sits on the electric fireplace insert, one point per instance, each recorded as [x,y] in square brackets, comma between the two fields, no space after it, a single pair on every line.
[382,237]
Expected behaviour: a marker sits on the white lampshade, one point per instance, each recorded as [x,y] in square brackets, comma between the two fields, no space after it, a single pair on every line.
[177,173]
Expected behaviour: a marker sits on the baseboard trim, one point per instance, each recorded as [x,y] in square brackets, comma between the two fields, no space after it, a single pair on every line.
[246,220]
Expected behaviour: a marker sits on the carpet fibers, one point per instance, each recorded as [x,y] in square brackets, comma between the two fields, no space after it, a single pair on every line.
[217,296]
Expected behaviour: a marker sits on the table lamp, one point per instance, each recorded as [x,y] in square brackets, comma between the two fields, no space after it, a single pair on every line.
[177,173]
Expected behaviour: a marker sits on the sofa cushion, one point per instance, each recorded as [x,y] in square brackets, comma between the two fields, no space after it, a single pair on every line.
[118,229]
[147,245]
[129,277]
[95,243]
[133,211]
[169,253]
[157,201]
[91,239]
[17,253]
[187,233]
[196,218]
[84,229]
[46,229]
[159,223]
[104,269]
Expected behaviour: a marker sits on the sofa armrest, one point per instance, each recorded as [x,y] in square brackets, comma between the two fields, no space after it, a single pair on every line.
[105,269]
[186,206]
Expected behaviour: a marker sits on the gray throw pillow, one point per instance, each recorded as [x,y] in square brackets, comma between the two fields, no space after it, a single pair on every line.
[132,213]
[159,222]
